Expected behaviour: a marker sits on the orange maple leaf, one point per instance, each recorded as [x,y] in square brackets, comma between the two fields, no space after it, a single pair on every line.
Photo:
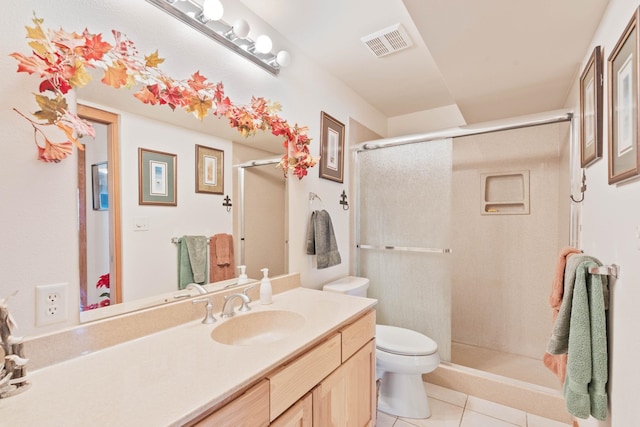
[54,152]
[69,132]
[146,96]
[198,82]
[223,106]
[94,47]
[30,64]
[153,60]
[199,107]
[116,75]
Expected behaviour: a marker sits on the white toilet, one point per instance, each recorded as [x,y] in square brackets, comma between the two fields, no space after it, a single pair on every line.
[402,356]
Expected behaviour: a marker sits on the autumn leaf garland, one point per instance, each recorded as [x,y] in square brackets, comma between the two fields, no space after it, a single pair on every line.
[62,60]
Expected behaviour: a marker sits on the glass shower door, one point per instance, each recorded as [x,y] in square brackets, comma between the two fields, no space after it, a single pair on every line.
[404,232]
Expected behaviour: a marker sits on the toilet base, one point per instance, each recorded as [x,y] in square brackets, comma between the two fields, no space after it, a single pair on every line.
[403,395]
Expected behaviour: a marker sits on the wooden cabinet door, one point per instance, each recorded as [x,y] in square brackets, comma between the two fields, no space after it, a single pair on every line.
[346,398]
[299,415]
[249,410]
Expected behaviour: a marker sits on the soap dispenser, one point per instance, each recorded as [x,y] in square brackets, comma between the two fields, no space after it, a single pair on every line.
[265,287]
[242,278]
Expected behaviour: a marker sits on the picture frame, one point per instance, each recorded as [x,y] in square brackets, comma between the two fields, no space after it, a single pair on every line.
[100,186]
[623,98]
[331,148]
[591,83]
[209,170]
[157,181]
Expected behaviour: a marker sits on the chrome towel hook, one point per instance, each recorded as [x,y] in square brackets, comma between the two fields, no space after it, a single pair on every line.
[583,189]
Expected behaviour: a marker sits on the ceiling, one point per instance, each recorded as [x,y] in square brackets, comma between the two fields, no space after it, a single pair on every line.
[492,58]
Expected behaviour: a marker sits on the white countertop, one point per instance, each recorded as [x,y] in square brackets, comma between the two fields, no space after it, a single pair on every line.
[172,376]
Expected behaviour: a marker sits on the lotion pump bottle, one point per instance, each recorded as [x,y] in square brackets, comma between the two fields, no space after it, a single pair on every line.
[265,287]
[242,278]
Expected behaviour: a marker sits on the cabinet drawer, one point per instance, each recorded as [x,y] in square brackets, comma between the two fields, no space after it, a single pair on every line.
[249,410]
[291,382]
[357,334]
[299,415]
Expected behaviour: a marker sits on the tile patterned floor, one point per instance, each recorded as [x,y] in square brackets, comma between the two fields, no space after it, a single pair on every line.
[451,408]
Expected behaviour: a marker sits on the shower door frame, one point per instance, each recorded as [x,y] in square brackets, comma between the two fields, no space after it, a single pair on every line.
[468,130]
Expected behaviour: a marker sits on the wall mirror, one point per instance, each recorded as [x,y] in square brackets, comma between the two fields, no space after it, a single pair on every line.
[139,281]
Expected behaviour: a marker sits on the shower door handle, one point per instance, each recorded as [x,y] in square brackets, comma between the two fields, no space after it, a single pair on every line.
[406,249]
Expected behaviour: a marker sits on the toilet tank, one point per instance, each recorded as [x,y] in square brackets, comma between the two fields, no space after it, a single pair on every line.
[350,285]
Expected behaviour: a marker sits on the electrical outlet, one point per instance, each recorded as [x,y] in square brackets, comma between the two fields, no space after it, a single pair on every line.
[51,303]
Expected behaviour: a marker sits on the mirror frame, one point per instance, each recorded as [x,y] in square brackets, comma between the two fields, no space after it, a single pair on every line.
[111,120]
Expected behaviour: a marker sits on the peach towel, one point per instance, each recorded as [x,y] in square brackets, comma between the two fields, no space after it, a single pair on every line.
[557,363]
[221,265]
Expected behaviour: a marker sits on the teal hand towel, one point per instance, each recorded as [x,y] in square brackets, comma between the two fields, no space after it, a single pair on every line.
[185,275]
[192,260]
[197,250]
[559,341]
[587,360]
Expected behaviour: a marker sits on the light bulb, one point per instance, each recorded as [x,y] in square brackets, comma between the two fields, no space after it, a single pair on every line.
[212,10]
[241,28]
[283,58]
[263,44]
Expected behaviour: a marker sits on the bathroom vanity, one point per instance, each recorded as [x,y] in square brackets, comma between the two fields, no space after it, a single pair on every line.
[315,369]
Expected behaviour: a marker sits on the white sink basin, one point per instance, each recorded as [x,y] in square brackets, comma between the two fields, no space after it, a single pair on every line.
[261,327]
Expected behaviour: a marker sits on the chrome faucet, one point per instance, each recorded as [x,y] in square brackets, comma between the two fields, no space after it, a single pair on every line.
[201,290]
[227,309]
[208,318]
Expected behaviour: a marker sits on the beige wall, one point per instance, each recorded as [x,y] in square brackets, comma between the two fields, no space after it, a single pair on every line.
[503,264]
[610,216]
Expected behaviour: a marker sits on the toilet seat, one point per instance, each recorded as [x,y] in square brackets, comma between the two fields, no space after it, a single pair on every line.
[404,342]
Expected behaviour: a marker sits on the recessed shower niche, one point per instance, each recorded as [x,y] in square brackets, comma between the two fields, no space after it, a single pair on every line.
[505,193]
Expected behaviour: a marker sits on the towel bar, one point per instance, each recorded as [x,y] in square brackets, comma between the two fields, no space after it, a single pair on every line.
[608,270]
[178,239]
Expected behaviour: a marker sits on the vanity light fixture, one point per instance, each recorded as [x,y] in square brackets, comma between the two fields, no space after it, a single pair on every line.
[207,19]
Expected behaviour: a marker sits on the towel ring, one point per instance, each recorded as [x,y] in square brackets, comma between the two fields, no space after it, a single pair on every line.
[312,197]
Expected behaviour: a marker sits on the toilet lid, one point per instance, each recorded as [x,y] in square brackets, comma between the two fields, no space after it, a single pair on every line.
[406,342]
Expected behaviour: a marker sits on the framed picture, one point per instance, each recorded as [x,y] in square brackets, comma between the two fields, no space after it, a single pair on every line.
[209,170]
[331,148]
[623,105]
[100,186]
[591,109]
[157,178]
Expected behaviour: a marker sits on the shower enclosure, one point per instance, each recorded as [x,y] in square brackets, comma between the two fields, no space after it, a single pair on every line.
[458,233]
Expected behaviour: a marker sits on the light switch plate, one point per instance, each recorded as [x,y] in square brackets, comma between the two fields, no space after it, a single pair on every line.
[141,223]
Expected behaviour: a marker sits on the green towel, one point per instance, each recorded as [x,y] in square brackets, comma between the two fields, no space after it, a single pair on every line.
[587,361]
[192,260]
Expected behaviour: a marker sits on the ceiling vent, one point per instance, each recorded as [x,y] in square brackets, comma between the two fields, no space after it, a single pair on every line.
[387,41]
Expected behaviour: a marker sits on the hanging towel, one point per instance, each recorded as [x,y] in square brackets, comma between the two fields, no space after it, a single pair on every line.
[557,363]
[221,258]
[191,252]
[223,252]
[580,331]
[321,240]
[192,263]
